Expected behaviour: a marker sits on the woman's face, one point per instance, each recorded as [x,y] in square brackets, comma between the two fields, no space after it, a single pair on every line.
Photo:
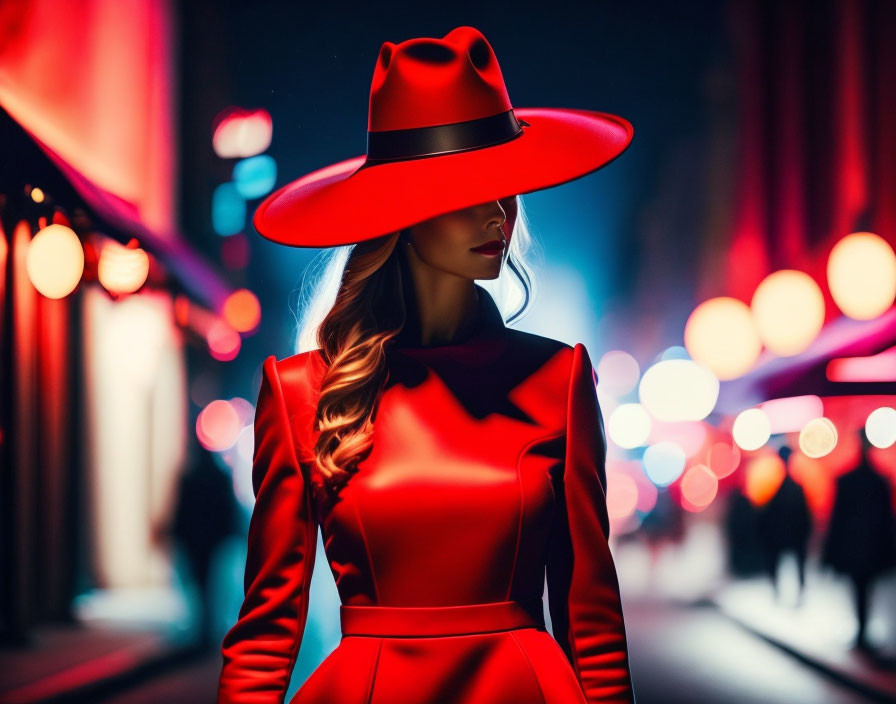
[447,242]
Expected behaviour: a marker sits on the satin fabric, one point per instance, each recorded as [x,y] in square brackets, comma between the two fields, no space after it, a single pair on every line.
[487,474]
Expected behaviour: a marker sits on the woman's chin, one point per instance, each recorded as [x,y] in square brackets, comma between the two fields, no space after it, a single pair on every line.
[490,273]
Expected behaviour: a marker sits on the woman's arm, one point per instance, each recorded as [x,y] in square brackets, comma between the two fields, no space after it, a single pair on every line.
[260,649]
[583,591]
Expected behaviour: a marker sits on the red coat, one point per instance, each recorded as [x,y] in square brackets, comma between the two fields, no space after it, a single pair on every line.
[487,474]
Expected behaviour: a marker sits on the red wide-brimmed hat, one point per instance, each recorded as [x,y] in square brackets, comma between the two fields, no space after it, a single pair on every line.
[441,136]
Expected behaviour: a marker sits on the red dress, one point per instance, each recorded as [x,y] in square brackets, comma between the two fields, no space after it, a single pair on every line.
[487,474]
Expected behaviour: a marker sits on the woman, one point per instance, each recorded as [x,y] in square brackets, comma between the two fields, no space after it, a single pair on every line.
[450,462]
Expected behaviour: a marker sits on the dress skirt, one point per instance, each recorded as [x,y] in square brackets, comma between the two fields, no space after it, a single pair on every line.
[491,653]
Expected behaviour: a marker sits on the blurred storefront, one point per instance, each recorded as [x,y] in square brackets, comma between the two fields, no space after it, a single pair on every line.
[96,291]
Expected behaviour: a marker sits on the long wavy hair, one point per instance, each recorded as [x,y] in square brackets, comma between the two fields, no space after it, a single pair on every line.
[352,304]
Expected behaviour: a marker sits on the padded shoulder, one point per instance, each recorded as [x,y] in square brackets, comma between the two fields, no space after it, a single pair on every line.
[300,377]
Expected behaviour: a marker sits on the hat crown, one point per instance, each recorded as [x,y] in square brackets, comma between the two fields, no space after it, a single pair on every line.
[426,81]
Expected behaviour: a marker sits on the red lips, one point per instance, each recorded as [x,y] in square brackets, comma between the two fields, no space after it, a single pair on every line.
[493,247]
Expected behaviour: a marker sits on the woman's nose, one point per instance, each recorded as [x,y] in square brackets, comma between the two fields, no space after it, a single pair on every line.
[498,216]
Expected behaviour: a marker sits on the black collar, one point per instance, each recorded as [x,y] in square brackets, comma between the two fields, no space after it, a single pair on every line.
[487,322]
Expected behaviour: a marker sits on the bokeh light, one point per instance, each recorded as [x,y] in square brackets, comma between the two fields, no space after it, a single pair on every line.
[622,495]
[37,195]
[218,426]
[689,435]
[228,209]
[861,274]
[722,334]
[647,491]
[618,372]
[244,409]
[751,429]
[629,425]
[880,427]
[55,261]
[679,389]
[224,342]
[255,176]
[239,132]
[699,486]
[764,475]
[723,459]
[818,437]
[242,310]
[788,307]
[122,269]
[663,462]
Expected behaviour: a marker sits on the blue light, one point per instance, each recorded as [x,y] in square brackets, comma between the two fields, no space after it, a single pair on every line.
[663,462]
[675,352]
[255,176]
[228,210]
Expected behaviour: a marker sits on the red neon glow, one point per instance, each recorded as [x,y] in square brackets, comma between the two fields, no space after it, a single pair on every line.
[789,415]
[876,368]
[65,67]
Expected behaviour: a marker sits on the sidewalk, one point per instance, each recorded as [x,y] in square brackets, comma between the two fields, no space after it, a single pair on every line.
[113,643]
[820,630]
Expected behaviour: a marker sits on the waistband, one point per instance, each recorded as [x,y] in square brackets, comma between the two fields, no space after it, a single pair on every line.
[441,620]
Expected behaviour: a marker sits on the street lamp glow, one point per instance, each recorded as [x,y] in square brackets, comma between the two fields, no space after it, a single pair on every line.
[788,307]
[55,261]
[861,274]
[722,334]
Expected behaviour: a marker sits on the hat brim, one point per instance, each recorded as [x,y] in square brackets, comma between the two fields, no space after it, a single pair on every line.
[340,204]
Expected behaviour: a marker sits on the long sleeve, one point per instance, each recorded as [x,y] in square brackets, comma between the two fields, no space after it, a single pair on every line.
[260,650]
[583,590]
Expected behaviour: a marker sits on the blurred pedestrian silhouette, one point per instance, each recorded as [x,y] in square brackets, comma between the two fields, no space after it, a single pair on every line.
[745,555]
[662,528]
[785,525]
[860,541]
[204,516]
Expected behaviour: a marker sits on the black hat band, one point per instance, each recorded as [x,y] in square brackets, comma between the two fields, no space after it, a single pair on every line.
[419,142]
